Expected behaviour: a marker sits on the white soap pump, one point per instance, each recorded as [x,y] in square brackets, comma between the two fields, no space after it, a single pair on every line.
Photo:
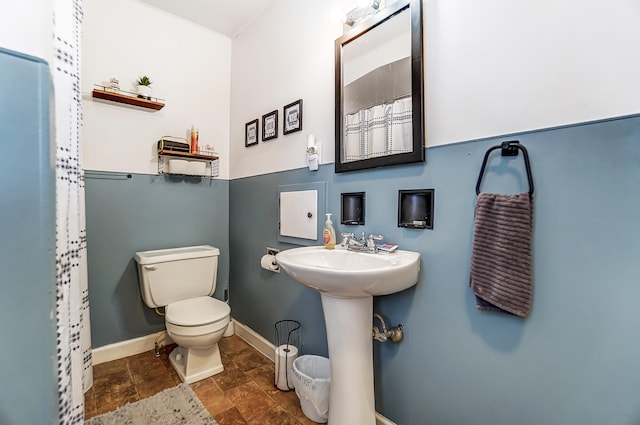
[329,233]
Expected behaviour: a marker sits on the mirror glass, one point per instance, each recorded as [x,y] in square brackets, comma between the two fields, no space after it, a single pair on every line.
[379,90]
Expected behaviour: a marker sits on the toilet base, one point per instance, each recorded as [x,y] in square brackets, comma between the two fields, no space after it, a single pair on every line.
[194,365]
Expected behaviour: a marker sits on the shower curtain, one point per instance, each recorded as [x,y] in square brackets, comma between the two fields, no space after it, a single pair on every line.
[72,299]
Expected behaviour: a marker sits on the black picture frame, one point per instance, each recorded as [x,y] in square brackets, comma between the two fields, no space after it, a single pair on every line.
[292,117]
[270,126]
[251,133]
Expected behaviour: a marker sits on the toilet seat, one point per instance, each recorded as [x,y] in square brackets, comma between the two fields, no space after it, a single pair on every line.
[198,311]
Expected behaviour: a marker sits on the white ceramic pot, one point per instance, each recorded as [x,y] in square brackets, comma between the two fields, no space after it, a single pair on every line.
[144,91]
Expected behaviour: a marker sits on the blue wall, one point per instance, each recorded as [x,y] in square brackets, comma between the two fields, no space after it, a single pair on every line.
[28,390]
[574,360]
[137,214]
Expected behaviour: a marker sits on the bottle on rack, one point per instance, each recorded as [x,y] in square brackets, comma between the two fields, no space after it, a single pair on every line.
[194,140]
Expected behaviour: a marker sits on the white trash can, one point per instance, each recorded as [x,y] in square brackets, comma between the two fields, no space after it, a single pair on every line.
[312,380]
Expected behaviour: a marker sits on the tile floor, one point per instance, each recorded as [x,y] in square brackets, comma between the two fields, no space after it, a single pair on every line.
[243,394]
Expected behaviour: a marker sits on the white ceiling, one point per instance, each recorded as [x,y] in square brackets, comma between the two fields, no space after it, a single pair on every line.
[227,17]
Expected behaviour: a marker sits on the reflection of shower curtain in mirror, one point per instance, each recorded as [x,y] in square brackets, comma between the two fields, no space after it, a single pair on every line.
[378,131]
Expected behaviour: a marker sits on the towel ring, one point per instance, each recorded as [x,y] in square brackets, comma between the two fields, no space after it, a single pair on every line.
[508,149]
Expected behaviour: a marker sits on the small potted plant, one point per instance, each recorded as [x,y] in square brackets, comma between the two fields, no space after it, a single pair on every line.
[143,85]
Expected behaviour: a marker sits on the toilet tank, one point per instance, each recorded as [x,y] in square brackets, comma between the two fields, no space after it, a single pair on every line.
[170,275]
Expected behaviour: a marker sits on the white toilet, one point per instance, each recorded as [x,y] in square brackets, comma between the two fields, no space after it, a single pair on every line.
[182,280]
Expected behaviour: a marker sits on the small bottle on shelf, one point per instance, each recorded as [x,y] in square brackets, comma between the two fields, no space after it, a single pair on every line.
[194,140]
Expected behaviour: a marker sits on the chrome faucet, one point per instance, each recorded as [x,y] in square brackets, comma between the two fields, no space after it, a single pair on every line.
[346,239]
[363,245]
[371,243]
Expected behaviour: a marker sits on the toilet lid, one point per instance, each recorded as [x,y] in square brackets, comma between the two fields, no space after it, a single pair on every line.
[196,311]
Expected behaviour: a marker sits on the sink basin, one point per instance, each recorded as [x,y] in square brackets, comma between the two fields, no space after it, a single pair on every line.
[347,282]
[351,274]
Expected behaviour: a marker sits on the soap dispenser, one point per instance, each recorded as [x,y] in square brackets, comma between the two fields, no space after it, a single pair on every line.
[329,234]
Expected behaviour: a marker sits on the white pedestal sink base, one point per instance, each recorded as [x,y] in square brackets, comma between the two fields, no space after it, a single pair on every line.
[348,322]
[347,282]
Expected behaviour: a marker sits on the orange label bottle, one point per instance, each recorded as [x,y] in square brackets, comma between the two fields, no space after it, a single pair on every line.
[194,140]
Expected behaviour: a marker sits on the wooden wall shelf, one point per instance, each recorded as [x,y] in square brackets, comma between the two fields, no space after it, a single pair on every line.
[129,99]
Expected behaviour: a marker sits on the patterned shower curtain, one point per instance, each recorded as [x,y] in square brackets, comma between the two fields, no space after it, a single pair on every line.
[72,299]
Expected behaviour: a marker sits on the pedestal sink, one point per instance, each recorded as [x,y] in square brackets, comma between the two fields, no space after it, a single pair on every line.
[347,282]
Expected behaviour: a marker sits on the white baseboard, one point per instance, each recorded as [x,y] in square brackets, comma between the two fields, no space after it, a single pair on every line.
[139,345]
[127,348]
[381,420]
[146,343]
[255,340]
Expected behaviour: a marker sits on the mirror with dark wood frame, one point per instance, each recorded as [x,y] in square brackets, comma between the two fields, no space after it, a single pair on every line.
[379,114]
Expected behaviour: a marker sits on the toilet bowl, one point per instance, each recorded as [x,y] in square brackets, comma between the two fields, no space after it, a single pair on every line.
[182,280]
[196,325]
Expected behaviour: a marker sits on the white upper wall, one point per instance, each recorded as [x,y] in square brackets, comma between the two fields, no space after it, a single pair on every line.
[190,67]
[26,26]
[501,66]
[285,55]
[492,68]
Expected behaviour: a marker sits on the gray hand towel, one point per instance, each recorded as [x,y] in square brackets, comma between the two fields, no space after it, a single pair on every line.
[501,253]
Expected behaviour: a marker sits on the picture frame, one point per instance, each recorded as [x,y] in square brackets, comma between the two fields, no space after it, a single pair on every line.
[270,126]
[292,117]
[251,133]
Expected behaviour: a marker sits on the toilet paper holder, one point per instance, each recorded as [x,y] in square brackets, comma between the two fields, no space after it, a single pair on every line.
[287,345]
